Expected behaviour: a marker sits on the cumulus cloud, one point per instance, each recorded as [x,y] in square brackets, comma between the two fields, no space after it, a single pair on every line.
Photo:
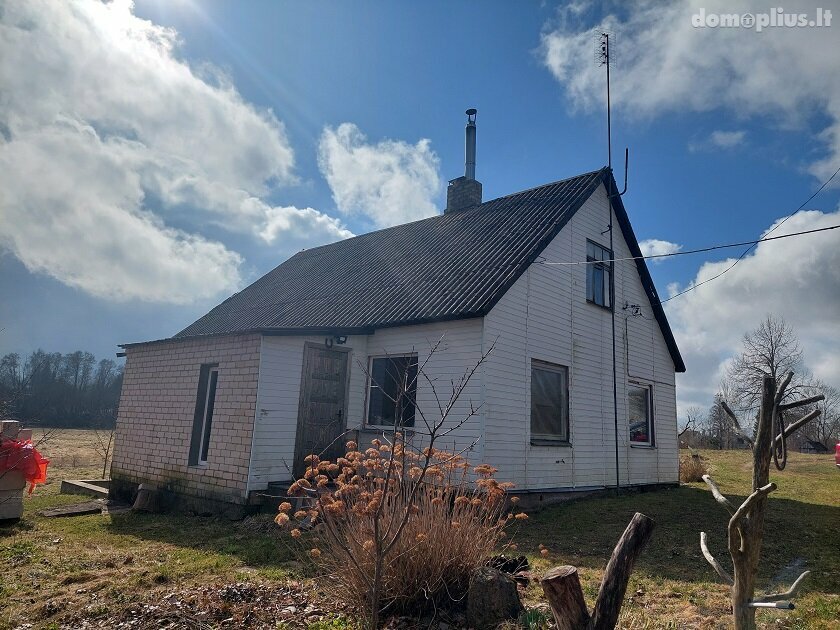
[104,132]
[389,182]
[665,64]
[796,278]
[656,247]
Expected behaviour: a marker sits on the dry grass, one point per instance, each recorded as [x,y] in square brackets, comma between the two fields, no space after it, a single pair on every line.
[95,568]
[692,468]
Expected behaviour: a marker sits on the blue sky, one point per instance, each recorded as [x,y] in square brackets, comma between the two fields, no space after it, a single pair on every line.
[729,130]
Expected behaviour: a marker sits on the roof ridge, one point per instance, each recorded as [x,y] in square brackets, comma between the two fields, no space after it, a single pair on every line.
[438,216]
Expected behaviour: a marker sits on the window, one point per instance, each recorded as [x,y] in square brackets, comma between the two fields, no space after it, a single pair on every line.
[598,275]
[549,402]
[641,414]
[203,419]
[392,391]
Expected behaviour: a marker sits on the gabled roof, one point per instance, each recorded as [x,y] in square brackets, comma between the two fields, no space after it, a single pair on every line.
[451,266]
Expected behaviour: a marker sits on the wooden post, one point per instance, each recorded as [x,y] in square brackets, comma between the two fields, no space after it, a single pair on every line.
[562,586]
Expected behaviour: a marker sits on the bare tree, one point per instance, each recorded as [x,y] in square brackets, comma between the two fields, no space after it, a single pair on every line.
[103,441]
[692,425]
[825,429]
[746,525]
[771,349]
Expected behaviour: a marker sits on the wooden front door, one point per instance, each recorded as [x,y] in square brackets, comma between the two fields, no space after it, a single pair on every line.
[321,413]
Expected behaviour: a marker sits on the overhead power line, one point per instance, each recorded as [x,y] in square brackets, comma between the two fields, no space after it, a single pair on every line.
[749,249]
[751,244]
[691,251]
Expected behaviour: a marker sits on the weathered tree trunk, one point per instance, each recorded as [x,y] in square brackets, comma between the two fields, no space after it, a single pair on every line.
[561,586]
[563,591]
[746,526]
[745,538]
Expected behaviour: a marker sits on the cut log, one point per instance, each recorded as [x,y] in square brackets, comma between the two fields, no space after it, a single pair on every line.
[614,585]
[561,586]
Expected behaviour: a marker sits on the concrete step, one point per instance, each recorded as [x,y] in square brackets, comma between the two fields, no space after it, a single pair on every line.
[89,487]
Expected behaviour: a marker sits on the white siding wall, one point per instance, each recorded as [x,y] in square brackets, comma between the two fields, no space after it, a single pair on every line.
[280,376]
[545,316]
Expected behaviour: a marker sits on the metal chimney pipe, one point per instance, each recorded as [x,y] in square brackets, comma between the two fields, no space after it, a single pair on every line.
[469,149]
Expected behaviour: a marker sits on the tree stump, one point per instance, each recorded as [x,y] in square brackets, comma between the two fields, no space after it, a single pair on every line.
[561,586]
[565,596]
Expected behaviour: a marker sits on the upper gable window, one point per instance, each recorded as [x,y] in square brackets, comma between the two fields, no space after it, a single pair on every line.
[598,275]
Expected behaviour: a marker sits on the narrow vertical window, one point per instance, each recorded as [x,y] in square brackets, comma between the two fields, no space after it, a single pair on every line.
[203,419]
[598,275]
[641,415]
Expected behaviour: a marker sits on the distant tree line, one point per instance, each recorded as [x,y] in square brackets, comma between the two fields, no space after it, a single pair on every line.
[60,390]
[771,349]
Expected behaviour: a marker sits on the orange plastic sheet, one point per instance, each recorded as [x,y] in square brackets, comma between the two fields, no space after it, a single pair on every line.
[21,455]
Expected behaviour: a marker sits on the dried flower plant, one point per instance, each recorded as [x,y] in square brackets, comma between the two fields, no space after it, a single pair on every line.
[402,524]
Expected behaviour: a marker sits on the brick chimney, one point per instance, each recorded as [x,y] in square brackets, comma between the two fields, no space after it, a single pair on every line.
[465,192]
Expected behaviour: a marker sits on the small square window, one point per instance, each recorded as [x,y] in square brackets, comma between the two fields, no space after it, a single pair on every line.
[598,275]
[392,391]
[640,414]
[549,402]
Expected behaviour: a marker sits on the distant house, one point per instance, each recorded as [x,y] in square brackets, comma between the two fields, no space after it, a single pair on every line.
[229,406]
[812,447]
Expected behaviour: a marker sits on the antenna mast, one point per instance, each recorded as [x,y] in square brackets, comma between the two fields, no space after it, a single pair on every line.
[603,58]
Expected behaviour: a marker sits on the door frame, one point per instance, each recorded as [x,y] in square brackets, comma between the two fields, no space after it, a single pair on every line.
[307,346]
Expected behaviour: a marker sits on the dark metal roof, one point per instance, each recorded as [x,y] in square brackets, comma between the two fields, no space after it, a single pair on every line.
[451,266]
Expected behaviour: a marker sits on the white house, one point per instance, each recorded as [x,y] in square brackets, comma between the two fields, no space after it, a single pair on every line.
[231,404]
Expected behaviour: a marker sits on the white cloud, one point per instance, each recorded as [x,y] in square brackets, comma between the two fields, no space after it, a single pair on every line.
[656,247]
[390,182]
[796,278]
[664,64]
[105,132]
[727,139]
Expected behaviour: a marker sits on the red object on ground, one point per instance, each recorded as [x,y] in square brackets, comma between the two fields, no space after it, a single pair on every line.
[21,455]
[837,454]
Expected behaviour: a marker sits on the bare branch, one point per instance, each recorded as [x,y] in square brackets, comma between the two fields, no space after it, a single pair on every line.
[713,561]
[748,503]
[794,426]
[788,594]
[716,493]
[735,424]
[780,392]
[801,403]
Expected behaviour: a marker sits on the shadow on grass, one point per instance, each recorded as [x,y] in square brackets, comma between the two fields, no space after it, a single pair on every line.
[798,536]
[256,542]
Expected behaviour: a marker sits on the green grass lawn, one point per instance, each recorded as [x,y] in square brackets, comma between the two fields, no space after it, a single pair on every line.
[56,571]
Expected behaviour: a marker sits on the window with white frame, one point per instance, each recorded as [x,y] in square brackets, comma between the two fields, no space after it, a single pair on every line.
[598,275]
[203,420]
[549,402]
[392,391]
[640,406]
